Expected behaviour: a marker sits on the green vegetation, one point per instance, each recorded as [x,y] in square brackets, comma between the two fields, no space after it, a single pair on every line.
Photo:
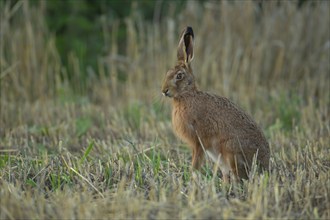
[85,133]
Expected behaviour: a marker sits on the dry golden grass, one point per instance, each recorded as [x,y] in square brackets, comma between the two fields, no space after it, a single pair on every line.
[108,151]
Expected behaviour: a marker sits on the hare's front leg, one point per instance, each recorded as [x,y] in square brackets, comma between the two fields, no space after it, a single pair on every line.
[197,156]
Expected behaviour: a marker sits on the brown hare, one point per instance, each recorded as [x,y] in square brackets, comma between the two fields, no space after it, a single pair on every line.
[211,124]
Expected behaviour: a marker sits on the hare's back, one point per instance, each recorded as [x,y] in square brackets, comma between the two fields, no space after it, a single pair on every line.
[220,115]
[224,111]
[224,120]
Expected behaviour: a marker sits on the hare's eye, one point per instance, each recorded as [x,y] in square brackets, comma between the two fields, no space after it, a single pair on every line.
[179,76]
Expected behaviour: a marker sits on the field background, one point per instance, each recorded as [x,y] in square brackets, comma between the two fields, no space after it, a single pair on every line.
[85,132]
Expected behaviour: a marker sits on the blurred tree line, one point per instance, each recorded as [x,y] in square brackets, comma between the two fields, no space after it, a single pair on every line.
[79,24]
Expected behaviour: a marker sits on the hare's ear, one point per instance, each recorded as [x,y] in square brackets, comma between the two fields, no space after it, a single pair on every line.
[186,45]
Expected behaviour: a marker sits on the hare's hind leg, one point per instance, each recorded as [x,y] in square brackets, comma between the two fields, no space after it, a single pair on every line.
[235,168]
[238,168]
[223,160]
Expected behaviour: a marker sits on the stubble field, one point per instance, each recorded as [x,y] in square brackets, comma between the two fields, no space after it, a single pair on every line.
[101,145]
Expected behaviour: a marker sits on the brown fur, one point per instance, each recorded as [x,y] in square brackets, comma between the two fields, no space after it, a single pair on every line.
[212,122]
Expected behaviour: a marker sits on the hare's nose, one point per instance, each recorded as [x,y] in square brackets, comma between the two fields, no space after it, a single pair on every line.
[165,92]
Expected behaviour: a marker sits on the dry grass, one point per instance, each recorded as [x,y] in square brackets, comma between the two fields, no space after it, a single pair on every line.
[110,153]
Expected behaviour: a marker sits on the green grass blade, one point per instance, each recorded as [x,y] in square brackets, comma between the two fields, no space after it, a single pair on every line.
[88,150]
